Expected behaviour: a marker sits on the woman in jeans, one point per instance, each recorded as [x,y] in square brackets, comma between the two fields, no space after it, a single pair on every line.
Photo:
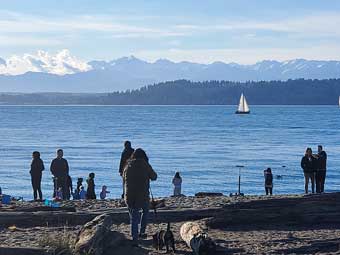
[309,164]
[137,175]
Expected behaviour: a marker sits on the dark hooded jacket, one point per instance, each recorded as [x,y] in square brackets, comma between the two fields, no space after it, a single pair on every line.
[137,175]
[308,166]
[37,166]
[59,167]
[322,161]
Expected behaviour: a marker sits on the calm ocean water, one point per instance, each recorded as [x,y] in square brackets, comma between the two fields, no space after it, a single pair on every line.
[204,143]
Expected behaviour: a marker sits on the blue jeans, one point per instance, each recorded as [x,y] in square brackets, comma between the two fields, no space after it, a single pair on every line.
[136,219]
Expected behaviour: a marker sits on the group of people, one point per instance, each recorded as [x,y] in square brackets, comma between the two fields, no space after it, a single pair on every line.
[136,173]
[314,168]
[62,180]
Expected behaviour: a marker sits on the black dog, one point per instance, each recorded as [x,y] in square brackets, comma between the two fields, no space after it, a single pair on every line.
[164,238]
[201,244]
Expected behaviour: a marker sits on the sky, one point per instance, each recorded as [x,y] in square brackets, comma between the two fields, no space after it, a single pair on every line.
[242,31]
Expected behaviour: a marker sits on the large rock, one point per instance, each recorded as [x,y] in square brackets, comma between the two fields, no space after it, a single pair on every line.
[96,237]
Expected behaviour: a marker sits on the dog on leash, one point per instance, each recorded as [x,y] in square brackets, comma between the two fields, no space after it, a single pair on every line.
[164,238]
[195,237]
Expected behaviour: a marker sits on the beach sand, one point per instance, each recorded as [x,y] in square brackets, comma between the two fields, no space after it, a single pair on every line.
[320,238]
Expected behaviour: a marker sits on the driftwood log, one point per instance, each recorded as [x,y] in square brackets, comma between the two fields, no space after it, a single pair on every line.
[303,211]
[31,219]
[22,251]
[96,237]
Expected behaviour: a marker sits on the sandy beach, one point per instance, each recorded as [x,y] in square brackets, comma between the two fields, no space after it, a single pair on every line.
[271,225]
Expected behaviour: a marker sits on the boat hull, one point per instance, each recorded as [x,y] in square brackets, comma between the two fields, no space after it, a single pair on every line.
[238,112]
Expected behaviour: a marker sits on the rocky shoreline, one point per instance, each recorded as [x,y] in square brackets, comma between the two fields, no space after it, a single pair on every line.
[285,224]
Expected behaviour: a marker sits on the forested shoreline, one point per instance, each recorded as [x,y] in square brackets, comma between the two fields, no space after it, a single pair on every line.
[184,92]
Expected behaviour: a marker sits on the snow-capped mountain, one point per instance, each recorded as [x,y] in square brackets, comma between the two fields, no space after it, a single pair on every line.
[62,72]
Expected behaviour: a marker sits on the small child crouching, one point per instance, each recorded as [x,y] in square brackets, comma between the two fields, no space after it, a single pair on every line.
[104,192]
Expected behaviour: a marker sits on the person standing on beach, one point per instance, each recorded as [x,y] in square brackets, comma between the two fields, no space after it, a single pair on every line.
[268,181]
[37,166]
[137,175]
[321,170]
[60,170]
[309,164]
[177,182]
[126,154]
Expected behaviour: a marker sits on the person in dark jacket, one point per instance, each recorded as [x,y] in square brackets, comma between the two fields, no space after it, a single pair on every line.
[137,175]
[69,187]
[126,154]
[37,166]
[60,170]
[268,181]
[321,170]
[309,165]
[90,193]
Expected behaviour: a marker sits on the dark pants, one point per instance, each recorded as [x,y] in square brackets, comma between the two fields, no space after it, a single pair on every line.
[309,176]
[320,181]
[60,182]
[269,190]
[136,219]
[36,185]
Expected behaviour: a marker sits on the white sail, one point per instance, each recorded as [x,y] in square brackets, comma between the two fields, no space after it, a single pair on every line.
[243,105]
[339,101]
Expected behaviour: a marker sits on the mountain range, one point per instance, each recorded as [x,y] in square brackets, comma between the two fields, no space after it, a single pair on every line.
[65,73]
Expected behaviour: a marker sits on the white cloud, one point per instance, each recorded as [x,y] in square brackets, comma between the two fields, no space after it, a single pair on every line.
[61,63]
[317,24]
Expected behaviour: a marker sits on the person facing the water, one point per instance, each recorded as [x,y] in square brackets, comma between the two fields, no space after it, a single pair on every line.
[126,154]
[60,170]
[82,193]
[308,164]
[177,182]
[268,181]
[76,194]
[69,187]
[90,193]
[37,167]
[321,170]
[137,175]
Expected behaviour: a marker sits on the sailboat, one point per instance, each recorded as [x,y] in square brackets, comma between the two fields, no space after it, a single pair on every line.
[339,101]
[243,107]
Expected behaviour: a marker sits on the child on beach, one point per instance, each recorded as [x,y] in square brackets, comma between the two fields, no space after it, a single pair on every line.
[104,192]
[69,187]
[59,195]
[90,194]
[76,194]
[177,182]
[82,193]
[268,181]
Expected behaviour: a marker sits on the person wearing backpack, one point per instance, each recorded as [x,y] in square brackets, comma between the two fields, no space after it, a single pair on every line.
[268,181]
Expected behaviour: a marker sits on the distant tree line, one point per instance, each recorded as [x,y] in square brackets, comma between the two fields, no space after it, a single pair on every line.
[184,92]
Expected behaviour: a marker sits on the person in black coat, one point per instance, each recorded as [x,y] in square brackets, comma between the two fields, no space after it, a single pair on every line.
[37,166]
[321,170]
[126,154]
[90,193]
[309,165]
[60,170]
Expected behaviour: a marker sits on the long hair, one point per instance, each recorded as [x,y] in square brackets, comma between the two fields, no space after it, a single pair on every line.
[140,154]
[177,175]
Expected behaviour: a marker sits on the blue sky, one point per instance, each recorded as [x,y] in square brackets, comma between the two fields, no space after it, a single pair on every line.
[243,31]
